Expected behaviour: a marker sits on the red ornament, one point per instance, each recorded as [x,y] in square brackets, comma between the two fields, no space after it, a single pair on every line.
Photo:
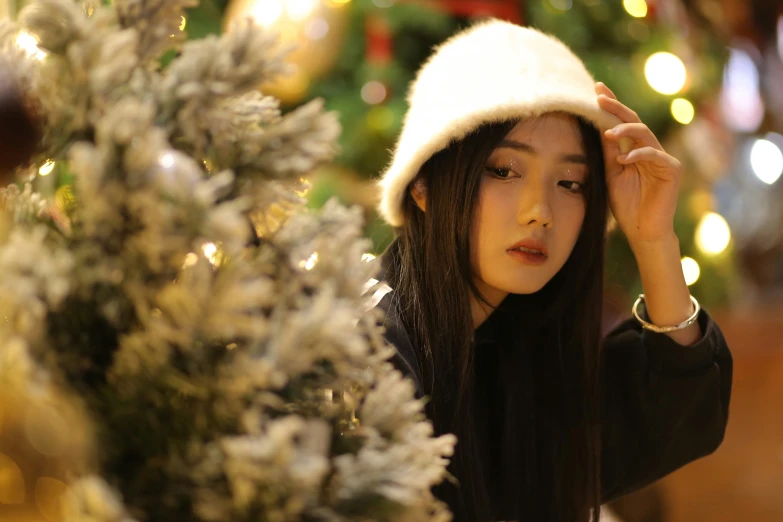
[510,10]
[379,41]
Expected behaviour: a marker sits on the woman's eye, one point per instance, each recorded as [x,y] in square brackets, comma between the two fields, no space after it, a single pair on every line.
[500,172]
[573,186]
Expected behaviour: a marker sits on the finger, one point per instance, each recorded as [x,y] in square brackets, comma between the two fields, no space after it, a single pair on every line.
[651,154]
[639,132]
[602,88]
[615,107]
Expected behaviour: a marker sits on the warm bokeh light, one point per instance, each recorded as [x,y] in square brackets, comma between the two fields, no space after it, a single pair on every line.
[46,168]
[740,100]
[766,159]
[665,73]
[309,263]
[636,8]
[29,44]
[691,270]
[190,260]
[46,430]
[780,36]
[300,9]
[712,234]
[562,5]
[267,12]
[12,488]
[210,251]
[367,257]
[683,111]
[373,92]
[49,496]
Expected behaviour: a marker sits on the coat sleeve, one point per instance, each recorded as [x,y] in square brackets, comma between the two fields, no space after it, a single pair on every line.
[664,404]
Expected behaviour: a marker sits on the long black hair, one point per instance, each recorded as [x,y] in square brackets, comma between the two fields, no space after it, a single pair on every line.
[542,462]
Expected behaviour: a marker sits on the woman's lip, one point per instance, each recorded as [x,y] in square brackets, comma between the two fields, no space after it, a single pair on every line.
[527,258]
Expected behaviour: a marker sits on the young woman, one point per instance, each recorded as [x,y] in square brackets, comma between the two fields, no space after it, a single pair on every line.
[499,192]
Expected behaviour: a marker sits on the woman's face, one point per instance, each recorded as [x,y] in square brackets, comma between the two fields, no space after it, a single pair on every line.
[531,207]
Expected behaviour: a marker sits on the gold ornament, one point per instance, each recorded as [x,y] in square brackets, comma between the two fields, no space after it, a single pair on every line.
[315,28]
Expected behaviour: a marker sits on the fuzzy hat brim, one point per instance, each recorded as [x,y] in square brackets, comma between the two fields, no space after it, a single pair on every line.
[494,71]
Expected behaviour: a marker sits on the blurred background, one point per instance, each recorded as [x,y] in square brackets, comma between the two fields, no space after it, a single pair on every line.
[705,75]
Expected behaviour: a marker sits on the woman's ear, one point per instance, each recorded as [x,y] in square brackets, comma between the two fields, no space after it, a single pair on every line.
[419,194]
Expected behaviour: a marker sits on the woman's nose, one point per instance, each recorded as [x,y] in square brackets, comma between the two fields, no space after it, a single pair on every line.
[535,207]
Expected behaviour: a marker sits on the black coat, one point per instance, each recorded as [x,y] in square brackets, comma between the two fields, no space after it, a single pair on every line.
[665,405]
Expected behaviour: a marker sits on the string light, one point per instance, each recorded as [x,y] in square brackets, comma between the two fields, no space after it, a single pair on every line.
[210,251]
[691,270]
[712,234]
[740,99]
[374,92]
[46,168]
[380,118]
[636,8]
[167,160]
[267,12]
[780,36]
[766,160]
[183,23]
[683,111]
[562,5]
[300,9]
[316,29]
[190,260]
[665,73]
[29,44]
[310,262]
[367,257]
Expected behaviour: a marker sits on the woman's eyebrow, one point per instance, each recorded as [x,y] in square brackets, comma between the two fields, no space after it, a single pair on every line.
[524,147]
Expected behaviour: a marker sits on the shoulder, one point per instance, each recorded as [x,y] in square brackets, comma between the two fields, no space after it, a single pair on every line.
[404,359]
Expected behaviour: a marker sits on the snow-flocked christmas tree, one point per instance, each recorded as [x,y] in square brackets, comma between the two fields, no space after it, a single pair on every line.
[191,341]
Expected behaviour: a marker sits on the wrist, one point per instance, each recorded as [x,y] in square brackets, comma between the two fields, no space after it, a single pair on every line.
[666,243]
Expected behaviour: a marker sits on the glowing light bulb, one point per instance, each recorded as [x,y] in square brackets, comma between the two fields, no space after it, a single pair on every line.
[29,45]
[691,270]
[665,73]
[167,160]
[267,12]
[683,111]
[367,257]
[766,159]
[210,251]
[46,168]
[190,260]
[300,9]
[712,234]
[310,262]
[636,8]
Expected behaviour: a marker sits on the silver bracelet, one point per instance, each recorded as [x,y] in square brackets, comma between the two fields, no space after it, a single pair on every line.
[665,329]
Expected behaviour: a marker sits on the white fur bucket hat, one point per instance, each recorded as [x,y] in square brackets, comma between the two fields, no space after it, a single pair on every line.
[493,71]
